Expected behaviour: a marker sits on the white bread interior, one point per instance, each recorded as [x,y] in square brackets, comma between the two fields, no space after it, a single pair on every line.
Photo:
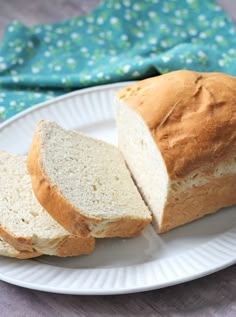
[143,159]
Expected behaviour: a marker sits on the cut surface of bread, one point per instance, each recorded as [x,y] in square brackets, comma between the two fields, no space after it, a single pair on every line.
[177,133]
[7,250]
[24,224]
[84,184]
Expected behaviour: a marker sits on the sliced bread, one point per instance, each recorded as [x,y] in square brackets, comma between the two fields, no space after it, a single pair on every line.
[84,184]
[24,224]
[7,250]
[177,133]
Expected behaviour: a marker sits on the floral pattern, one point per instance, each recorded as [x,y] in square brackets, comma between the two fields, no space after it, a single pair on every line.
[118,41]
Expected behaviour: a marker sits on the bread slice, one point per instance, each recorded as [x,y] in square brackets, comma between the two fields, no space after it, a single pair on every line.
[84,184]
[7,250]
[24,224]
[177,133]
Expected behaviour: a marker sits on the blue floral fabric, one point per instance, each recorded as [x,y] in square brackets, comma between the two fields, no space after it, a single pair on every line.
[118,41]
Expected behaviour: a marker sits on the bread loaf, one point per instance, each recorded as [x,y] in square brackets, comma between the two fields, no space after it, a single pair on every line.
[177,133]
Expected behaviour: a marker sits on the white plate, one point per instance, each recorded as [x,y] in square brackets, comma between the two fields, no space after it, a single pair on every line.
[117,265]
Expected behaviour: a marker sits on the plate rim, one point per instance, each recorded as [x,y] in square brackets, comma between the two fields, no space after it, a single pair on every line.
[99,291]
[65,96]
[110,291]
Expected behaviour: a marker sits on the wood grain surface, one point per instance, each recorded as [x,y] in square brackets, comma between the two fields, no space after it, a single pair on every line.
[210,296]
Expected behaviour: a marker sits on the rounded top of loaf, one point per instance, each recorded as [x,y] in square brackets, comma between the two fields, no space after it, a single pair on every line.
[191,116]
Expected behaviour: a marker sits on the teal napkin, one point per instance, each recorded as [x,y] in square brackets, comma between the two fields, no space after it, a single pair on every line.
[118,41]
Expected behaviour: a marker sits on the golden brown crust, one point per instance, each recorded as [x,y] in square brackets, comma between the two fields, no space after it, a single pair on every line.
[123,228]
[19,243]
[69,246]
[196,202]
[64,213]
[73,246]
[23,246]
[23,255]
[191,116]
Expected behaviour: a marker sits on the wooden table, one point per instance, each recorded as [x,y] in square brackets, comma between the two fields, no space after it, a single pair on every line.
[214,295]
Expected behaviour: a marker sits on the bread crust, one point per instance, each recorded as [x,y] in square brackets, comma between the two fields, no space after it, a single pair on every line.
[23,255]
[124,228]
[67,246]
[22,245]
[8,251]
[196,202]
[71,218]
[191,117]
[73,246]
